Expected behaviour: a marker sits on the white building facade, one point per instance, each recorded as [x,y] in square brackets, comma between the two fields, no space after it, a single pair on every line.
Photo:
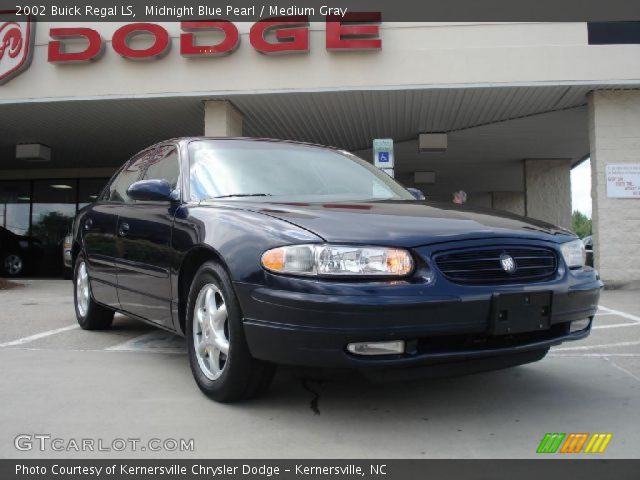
[520,104]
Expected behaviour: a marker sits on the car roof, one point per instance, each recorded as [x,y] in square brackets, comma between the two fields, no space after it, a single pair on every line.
[183,140]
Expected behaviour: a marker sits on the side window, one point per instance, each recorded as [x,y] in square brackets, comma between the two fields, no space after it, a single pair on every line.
[164,164]
[106,191]
[128,175]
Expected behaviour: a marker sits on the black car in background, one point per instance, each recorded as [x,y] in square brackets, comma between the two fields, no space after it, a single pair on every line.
[17,253]
[265,252]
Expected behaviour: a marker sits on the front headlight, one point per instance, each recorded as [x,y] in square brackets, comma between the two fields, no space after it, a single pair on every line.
[574,253]
[338,260]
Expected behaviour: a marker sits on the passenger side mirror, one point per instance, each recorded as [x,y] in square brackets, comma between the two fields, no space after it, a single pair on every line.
[418,195]
[152,191]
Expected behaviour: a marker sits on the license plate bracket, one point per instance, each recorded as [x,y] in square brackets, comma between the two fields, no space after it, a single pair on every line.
[513,313]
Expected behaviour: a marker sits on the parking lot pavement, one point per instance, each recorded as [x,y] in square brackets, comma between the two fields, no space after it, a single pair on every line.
[134,382]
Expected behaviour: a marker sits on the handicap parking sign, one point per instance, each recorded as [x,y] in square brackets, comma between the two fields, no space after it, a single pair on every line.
[383,152]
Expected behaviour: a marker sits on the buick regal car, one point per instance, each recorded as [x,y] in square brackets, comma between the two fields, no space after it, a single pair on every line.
[266,253]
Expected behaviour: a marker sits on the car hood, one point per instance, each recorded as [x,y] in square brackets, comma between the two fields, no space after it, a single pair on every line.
[402,223]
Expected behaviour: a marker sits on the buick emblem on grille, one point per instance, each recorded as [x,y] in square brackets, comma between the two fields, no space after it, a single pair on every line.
[508,263]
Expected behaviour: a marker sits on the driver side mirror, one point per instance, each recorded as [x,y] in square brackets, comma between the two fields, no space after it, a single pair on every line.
[418,195]
[152,191]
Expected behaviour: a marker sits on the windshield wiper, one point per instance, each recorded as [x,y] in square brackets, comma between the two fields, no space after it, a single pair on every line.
[242,195]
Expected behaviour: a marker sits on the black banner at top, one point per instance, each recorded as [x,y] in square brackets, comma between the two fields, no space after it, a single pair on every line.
[318,10]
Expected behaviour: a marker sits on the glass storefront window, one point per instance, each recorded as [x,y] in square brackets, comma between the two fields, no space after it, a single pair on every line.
[54,206]
[53,210]
[89,189]
[42,212]
[14,206]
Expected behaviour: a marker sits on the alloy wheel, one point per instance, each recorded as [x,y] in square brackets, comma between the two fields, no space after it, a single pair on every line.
[82,289]
[211,331]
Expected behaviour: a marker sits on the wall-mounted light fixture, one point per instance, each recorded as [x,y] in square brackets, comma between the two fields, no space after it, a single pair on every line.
[33,152]
[432,142]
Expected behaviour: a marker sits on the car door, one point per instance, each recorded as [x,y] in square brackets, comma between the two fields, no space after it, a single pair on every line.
[144,244]
[98,229]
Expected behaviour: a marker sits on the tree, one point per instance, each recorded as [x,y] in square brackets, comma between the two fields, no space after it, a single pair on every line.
[51,227]
[581,224]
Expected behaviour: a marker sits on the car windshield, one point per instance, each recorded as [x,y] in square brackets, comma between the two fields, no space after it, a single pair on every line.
[246,169]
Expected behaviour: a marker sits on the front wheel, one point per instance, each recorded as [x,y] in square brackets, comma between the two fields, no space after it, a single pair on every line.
[13,264]
[219,357]
[90,315]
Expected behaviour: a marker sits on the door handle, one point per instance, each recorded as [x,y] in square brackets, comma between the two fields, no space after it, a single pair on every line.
[123,230]
[88,224]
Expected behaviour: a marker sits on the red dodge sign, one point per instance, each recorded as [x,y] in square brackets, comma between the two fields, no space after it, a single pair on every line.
[278,35]
[16,44]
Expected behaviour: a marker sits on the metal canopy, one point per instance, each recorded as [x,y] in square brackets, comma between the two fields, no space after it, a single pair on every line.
[103,133]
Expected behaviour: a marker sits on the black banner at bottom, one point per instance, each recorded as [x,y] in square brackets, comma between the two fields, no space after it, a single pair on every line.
[339,469]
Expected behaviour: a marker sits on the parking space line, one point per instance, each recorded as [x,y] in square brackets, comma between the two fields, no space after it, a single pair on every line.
[38,336]
[595,347]
[608,357]
[104,350]
[622,369]
[620,314]
[616,325]
[156,341]
[596,355]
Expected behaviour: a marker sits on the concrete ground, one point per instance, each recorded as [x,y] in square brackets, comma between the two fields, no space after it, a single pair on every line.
[134,382]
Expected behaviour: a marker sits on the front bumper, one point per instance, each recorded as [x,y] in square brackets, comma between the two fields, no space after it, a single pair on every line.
[314,329]
[309,322]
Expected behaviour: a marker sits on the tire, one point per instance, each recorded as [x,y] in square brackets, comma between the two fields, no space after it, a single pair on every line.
[90,315]
[213,324]
[13,264]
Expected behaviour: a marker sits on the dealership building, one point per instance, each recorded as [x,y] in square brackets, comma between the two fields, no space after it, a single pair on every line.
[503,111]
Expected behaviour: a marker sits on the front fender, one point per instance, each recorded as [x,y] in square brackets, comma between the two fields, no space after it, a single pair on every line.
[237,236]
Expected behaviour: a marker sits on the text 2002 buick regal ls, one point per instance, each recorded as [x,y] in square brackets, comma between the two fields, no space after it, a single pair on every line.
[268,252]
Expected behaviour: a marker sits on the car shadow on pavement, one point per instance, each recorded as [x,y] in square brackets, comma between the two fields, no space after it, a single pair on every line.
[520,391]
[122,323]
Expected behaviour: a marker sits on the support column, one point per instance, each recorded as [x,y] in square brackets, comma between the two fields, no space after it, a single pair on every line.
[614,136]
[221,119]
[547,193]
[512,202]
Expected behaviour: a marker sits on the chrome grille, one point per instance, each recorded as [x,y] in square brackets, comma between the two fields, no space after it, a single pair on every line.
[481,265]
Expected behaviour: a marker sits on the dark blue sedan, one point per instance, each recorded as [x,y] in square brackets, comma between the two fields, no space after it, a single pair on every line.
[265,252]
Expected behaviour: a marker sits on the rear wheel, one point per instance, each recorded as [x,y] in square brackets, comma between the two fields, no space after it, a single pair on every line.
[220,360]
[90,315]
[13,264]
